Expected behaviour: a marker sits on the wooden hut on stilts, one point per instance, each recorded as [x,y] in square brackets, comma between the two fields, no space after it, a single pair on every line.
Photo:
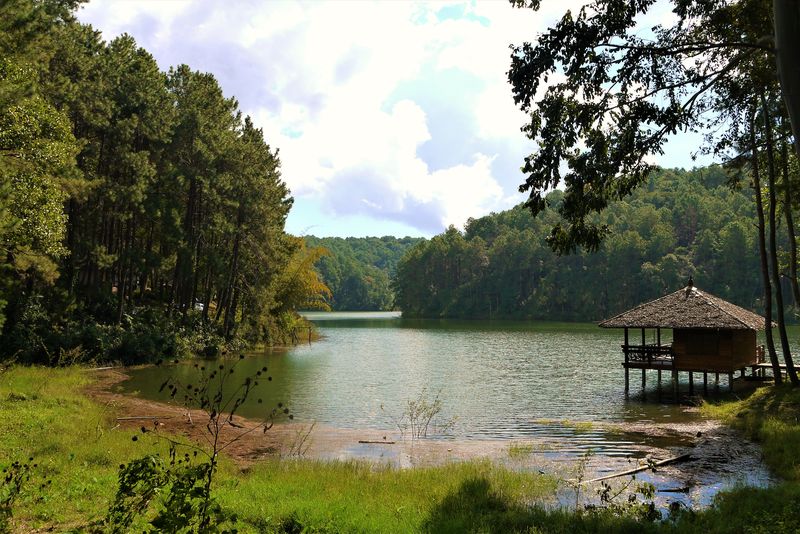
[709,335]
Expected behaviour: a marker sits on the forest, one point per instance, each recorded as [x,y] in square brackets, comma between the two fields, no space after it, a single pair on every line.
[359,270]
[679,224]
[140,212]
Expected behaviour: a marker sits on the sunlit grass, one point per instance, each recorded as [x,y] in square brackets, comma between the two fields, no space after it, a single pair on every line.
[771,417]
[45,417]
[357,497]
[78,445]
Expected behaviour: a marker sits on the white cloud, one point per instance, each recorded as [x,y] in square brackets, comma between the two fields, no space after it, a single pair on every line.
[342,89]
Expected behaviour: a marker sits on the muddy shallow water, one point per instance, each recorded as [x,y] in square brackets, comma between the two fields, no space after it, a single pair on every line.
[535,396]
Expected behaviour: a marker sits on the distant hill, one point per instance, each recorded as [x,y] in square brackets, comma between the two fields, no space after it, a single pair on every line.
[679,223]
[359,270]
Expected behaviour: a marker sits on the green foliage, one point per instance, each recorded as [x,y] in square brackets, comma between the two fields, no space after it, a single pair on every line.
[14,478]
[180,484]
[47,334]
[140,481]
[184,484]
[604,93]
[140,213]
[422,415]
[358,270]
[683,223]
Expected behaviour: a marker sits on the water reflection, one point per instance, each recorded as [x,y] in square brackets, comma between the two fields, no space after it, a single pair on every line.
[500,380]
[559,386]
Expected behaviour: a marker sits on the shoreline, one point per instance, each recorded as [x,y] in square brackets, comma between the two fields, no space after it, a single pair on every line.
[719,453]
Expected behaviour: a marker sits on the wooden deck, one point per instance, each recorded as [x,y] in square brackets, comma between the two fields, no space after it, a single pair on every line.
[660,358]
[648,356]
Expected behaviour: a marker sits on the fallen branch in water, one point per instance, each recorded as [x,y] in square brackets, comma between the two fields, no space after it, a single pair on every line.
[376,442]
[681,458]
[138,417]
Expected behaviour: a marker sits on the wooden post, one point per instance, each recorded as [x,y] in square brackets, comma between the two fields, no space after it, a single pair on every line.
[658,386]
[675,384]
[691,383]
[625,350]
[644,342]
[730,381]
[644,378]
[658,336]
[705,383]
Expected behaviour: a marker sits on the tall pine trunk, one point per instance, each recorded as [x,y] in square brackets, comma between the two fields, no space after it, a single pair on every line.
[762,249]
[786,19]
[787,209]
[773,245]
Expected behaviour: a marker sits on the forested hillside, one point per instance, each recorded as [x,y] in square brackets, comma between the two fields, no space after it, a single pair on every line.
[682,223]
[141,215]
[358,270]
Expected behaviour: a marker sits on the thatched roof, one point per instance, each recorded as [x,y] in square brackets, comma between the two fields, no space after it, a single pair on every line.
[687,308]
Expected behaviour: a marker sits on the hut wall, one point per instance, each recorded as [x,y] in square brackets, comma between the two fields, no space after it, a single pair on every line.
[744,348]
[713,350]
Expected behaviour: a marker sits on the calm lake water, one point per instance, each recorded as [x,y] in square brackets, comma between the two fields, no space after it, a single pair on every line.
[501,381]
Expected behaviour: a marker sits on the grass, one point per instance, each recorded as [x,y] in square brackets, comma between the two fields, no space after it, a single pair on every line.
[45,417]
[771,417]
[76,445]
[578,426]
[356,497]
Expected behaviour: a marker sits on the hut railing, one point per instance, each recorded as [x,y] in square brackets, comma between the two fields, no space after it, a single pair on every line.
[648,353]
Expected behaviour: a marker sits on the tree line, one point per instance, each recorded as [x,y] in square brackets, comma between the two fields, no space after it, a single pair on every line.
[680,224]
[140,211]
[359,270]
[620,88]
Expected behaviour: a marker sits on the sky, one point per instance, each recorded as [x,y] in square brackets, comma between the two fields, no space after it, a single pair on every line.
[391,117]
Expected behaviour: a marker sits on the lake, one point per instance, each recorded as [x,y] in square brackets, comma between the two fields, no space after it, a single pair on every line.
[497,379]
[559,383]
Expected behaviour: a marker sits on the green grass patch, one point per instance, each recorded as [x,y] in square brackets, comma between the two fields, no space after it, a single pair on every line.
[71,439]
[78,447]
[358,497]
[771,417]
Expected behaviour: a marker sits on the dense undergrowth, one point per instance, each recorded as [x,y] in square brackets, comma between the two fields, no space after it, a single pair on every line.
[146,333]
[77,448]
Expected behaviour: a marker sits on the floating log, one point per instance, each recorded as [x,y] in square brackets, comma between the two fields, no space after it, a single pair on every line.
[376,442]
[686,489]
[138,417]
[681,458]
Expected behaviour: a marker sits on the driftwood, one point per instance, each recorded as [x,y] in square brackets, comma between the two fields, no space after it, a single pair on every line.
[376,442]
[681,458]
[138,417]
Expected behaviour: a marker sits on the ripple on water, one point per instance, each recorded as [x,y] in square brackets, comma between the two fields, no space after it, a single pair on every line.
[499,381]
